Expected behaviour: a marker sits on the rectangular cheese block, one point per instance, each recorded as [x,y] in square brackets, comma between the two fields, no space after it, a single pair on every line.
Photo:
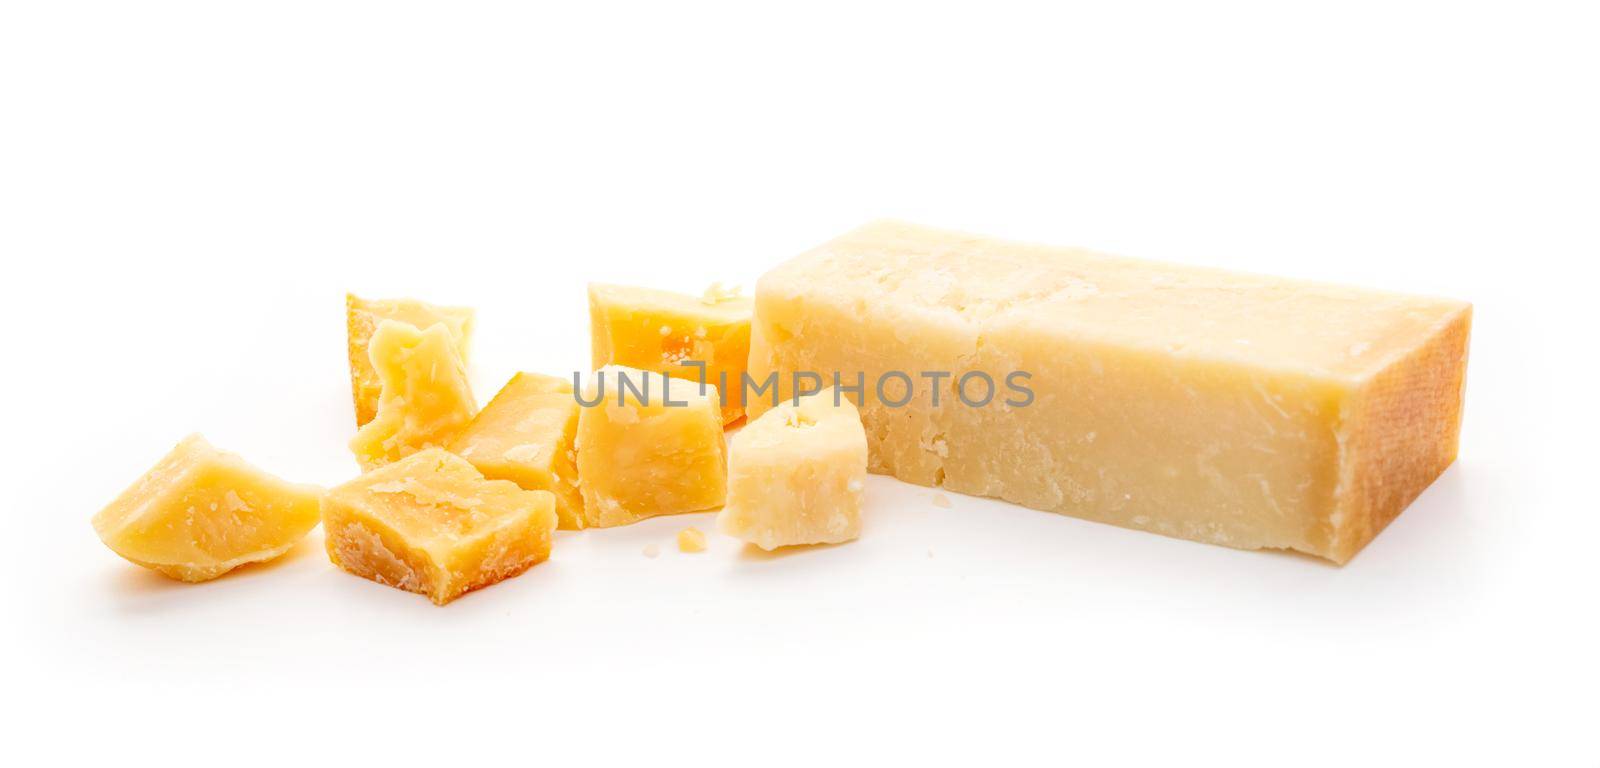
[686,337]
[1249,411]
[527,435]
[362,317]
[431,524]
[201,512]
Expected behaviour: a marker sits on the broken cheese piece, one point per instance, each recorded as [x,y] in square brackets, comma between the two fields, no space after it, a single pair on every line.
[796,474]
[527,434]
[426,398]
[201,512]
[362,317]
[431,524]
[649,447]
[1249,411]
[660,330]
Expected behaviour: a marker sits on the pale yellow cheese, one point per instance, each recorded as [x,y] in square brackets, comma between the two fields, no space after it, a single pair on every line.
[527,435]
[660,331]
[1249,411]
[796,475]
[201,512]
[426,398]
[362,317]
[431,524]
[653,449]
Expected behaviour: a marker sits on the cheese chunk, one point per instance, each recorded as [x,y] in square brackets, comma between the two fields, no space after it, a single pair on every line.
[362,317]
[431,524]
[202,512]
[660,331]
[648,446]
[795,475]
[426,398]
[1248,411]
[526,435]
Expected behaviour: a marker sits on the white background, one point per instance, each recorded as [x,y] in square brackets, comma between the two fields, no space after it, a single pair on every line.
[187,190]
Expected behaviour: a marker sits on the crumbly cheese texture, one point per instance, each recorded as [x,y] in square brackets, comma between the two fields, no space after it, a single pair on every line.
[426,398]
[527,434]
[201,512]
[796,475]
[362,317]
[1249,411]
[433,525]
[652,448]
[660,330]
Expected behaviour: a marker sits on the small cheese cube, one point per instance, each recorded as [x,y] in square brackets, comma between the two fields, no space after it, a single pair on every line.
[796,475]
[431,524]
[648,446]
[526,435]
[660,330]
[426,398]
[202,512]
[362,317]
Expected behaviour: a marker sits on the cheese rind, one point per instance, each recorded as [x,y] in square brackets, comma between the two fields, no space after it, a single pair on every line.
[431,524]
[426,398]
[1249,411]
[660,330]
[527,434]
[362,317]
[653,449]
[201,512]
[796,475]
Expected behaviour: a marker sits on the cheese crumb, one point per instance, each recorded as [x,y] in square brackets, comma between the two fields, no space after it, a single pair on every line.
[718,293]
[941,501]
[651,550]
[691,539]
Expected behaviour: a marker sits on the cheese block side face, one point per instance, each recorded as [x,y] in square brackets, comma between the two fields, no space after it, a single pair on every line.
[639,456]
[431,524]
[1401,432]
[527,434]
[1236,410]
[362,317]
[659,330]
[201,512]
[426,398]
[796,475]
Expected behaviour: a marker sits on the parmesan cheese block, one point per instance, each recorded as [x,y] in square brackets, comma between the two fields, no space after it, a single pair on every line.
[527,434]
[426,398]
[362,317]
[1248,411]
[662,331]
[796,474]
[648,445]
[431,524]
[201,512]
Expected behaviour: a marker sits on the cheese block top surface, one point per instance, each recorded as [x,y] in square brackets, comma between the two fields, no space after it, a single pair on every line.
[968,282]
